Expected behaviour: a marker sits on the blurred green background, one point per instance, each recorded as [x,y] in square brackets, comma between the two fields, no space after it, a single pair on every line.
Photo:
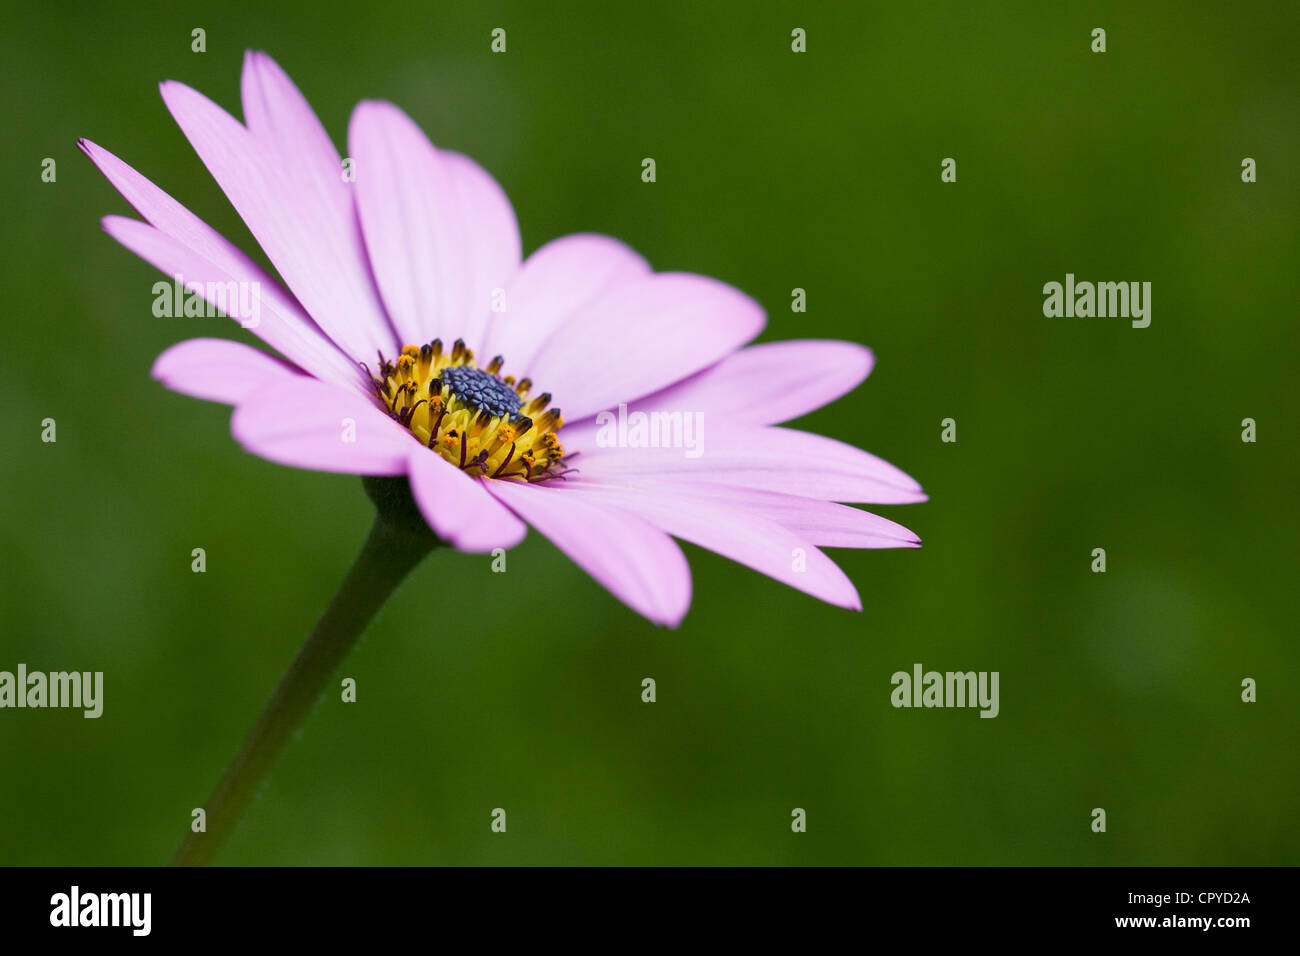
[775,171]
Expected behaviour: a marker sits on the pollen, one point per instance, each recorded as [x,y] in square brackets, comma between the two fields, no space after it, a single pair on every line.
[481,422]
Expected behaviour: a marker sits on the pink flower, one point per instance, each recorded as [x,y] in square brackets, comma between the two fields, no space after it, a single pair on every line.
[400,282]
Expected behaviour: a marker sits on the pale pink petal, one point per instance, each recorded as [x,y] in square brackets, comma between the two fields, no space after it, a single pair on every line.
[219,370]
[552,285]
[458,507]
[639,564]
[822,523]
[440,233]
[187,245]
[308,424]
[767,384]
[281,119]
[734,532]
[299,230]
[770,459]
[641,336]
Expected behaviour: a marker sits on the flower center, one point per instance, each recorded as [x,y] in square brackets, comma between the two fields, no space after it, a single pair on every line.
[476,419]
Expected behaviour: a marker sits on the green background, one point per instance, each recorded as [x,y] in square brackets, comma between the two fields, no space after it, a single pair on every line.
[775,170]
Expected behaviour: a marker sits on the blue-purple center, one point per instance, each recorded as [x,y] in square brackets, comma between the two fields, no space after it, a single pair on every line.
[483,390]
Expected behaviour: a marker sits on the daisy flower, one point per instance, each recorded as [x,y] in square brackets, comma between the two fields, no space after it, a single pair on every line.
[416,341]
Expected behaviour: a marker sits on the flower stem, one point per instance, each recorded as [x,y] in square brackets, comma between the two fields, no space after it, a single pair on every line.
[393,548]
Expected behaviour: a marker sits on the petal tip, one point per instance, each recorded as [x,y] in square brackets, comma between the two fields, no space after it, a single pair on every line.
[670,622]
[173,89]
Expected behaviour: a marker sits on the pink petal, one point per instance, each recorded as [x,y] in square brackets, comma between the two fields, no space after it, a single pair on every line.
[640,336]
[639,564]
[822,523]
[187,245]
[308,424]
[825,523]
[219,370]
[440,233]
[281,119]
[295,224]
[767,384]
[554,283]
[770,459]
[736,533]
[458,507]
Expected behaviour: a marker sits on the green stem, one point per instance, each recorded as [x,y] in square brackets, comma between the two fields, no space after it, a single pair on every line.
[393,548]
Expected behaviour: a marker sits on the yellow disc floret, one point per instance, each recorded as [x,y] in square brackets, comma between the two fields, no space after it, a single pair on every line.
[476,419]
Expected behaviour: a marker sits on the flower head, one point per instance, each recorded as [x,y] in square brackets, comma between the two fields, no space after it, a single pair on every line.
[399,279]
